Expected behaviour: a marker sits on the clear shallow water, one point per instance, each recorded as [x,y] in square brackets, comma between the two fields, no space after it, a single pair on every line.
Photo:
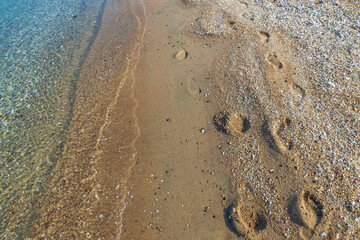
[42,44]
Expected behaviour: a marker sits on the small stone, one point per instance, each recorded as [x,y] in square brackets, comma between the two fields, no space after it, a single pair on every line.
[181,55]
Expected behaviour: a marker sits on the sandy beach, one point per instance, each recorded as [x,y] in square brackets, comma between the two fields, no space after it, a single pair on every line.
[279,83]
[212,119]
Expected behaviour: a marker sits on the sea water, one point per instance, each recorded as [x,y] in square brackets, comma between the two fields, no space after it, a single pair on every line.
[42,44]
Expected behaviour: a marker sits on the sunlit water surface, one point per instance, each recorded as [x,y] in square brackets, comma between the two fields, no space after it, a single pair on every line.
[42,44]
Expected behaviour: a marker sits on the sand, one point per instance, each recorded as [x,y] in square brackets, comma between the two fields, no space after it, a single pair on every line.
[294,167]
[287,114]
[180,184]
[229,120]
[85,194]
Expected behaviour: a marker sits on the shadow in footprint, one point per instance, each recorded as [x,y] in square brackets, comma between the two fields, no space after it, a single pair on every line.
[231,123]
[246,124]
[266,132]
[293,212]
[220,122]
[264,36]
[261,222]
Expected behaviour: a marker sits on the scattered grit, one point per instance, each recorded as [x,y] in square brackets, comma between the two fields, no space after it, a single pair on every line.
[289,85]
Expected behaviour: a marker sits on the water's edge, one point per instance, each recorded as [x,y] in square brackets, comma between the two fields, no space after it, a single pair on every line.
[44,75]
[72,98]
[86,190]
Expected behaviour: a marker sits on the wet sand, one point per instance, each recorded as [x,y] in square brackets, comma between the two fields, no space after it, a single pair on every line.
[179,186]
[86,190]
[222,121]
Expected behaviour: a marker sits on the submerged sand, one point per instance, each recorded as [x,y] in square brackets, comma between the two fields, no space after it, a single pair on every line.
[225,120]
[85,195]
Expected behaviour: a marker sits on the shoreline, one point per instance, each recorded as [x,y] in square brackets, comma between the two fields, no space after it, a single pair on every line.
[208,120]
[39,125]
[87,186]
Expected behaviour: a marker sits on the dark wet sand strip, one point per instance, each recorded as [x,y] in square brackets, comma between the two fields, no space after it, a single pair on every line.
[179,187]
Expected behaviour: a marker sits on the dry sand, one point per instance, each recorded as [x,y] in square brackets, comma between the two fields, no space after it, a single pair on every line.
[292,71]
[230,120]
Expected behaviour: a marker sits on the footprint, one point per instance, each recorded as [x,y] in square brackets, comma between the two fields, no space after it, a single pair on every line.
[190,2]
[281,133]
[233,221]
[268,133]
[181,55]
[306,211]
[273,60]
[244,220]
[311,209]
[215,22]
[264,36]
[284,134]
[193,87]
[231,123]
[298,93]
